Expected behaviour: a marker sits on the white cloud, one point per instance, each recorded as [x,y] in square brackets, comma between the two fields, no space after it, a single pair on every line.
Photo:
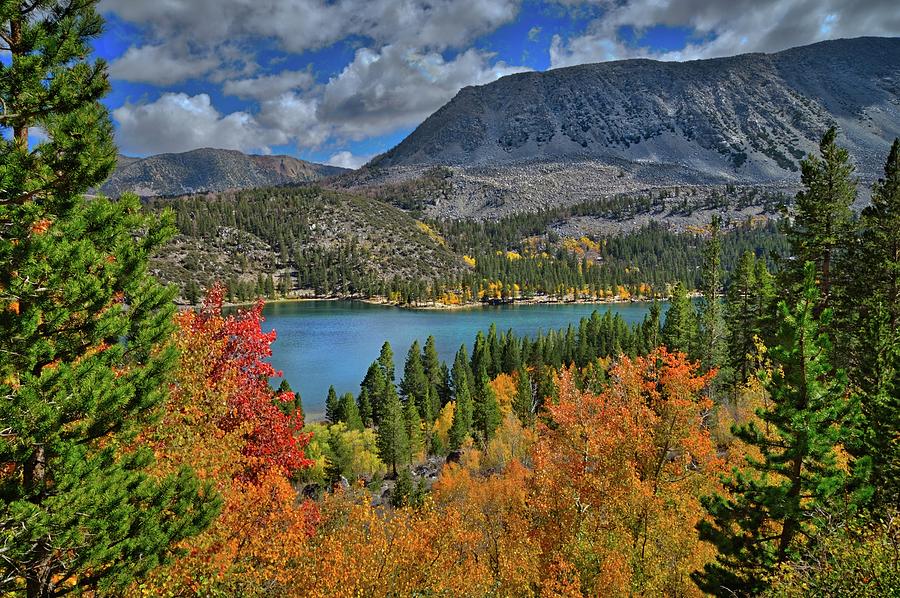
[534,33]
[345,159]
[177,122]
[160,65]
[399,87]
[732,27]
[299,25]
[267,87]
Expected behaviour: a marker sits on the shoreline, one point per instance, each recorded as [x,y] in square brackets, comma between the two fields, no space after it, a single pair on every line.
[438,306]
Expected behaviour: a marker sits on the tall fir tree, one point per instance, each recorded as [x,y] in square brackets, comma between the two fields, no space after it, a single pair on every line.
[392,439]
[712,323]
[771,507]
[821,224]
[679,333]
[386,361]
[876,345]
[85,328]
[413,422]
[743,319]
[332,406]
[415,384]
[432,363]
[486,410]
[523,403]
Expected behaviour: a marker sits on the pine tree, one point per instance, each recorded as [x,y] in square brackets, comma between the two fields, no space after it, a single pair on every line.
[486,408]
[876,346]
[392,440]
[822,219]
[462,390]
[413,423]
[85,329]
[364,406]
[332,406]
[403,489]
[386,361]
[651,329]
[679,332]
[432,363]
[375,388]
[523,404]
[712,324]
[741,309]
[771,508]
[348,412]
[415,384]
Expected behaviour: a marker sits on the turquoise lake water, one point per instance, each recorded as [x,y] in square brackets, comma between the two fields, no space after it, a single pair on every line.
[321,343]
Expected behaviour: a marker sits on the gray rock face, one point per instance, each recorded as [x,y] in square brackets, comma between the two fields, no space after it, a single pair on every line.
[206,170]
[747,118]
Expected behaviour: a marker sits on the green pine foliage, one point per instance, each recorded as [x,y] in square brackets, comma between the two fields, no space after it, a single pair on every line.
[486,409]
[523,403]
[393,440]
[332,406]
[771,507]
[822,221]
[680,331]
[712,323]
[85,329]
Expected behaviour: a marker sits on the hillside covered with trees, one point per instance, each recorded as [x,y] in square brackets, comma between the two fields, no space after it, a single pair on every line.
[748,446]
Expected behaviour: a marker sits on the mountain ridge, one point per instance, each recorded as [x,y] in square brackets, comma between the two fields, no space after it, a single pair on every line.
[207,170]
[574,134]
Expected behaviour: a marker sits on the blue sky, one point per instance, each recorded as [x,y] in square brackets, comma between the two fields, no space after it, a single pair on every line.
[339,81]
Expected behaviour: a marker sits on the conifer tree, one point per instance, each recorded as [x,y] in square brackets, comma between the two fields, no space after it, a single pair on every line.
[392,439]
[679,332]
[415,384]
[375,388]
[84,328]
[332,406]
[413,423]
[822,219]
[523,404]
[386,361]
[743,318]
[486,408]
[651,329]
[712,324]
[364,406]
[462,391]
[876,347]
[348,412]
[772,506]
[432,363]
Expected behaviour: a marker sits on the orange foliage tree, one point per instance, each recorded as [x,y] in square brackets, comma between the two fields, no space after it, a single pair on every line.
[224,420]
[618,475]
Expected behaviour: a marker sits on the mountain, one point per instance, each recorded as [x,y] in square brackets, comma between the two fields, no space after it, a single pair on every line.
[206,170]
[564,135]
[325,240]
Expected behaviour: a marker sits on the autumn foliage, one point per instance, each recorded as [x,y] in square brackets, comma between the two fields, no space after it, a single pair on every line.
[224,421]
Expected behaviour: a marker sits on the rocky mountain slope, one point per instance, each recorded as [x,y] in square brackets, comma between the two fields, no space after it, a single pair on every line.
[568,135]
[303,233]
[213,170]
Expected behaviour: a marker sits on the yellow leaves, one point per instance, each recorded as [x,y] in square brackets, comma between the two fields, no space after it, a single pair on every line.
[469,261]
[443,423]
[504,387]
[430,232]
[13,306]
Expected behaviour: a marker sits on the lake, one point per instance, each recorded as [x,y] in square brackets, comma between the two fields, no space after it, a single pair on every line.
[321,343]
